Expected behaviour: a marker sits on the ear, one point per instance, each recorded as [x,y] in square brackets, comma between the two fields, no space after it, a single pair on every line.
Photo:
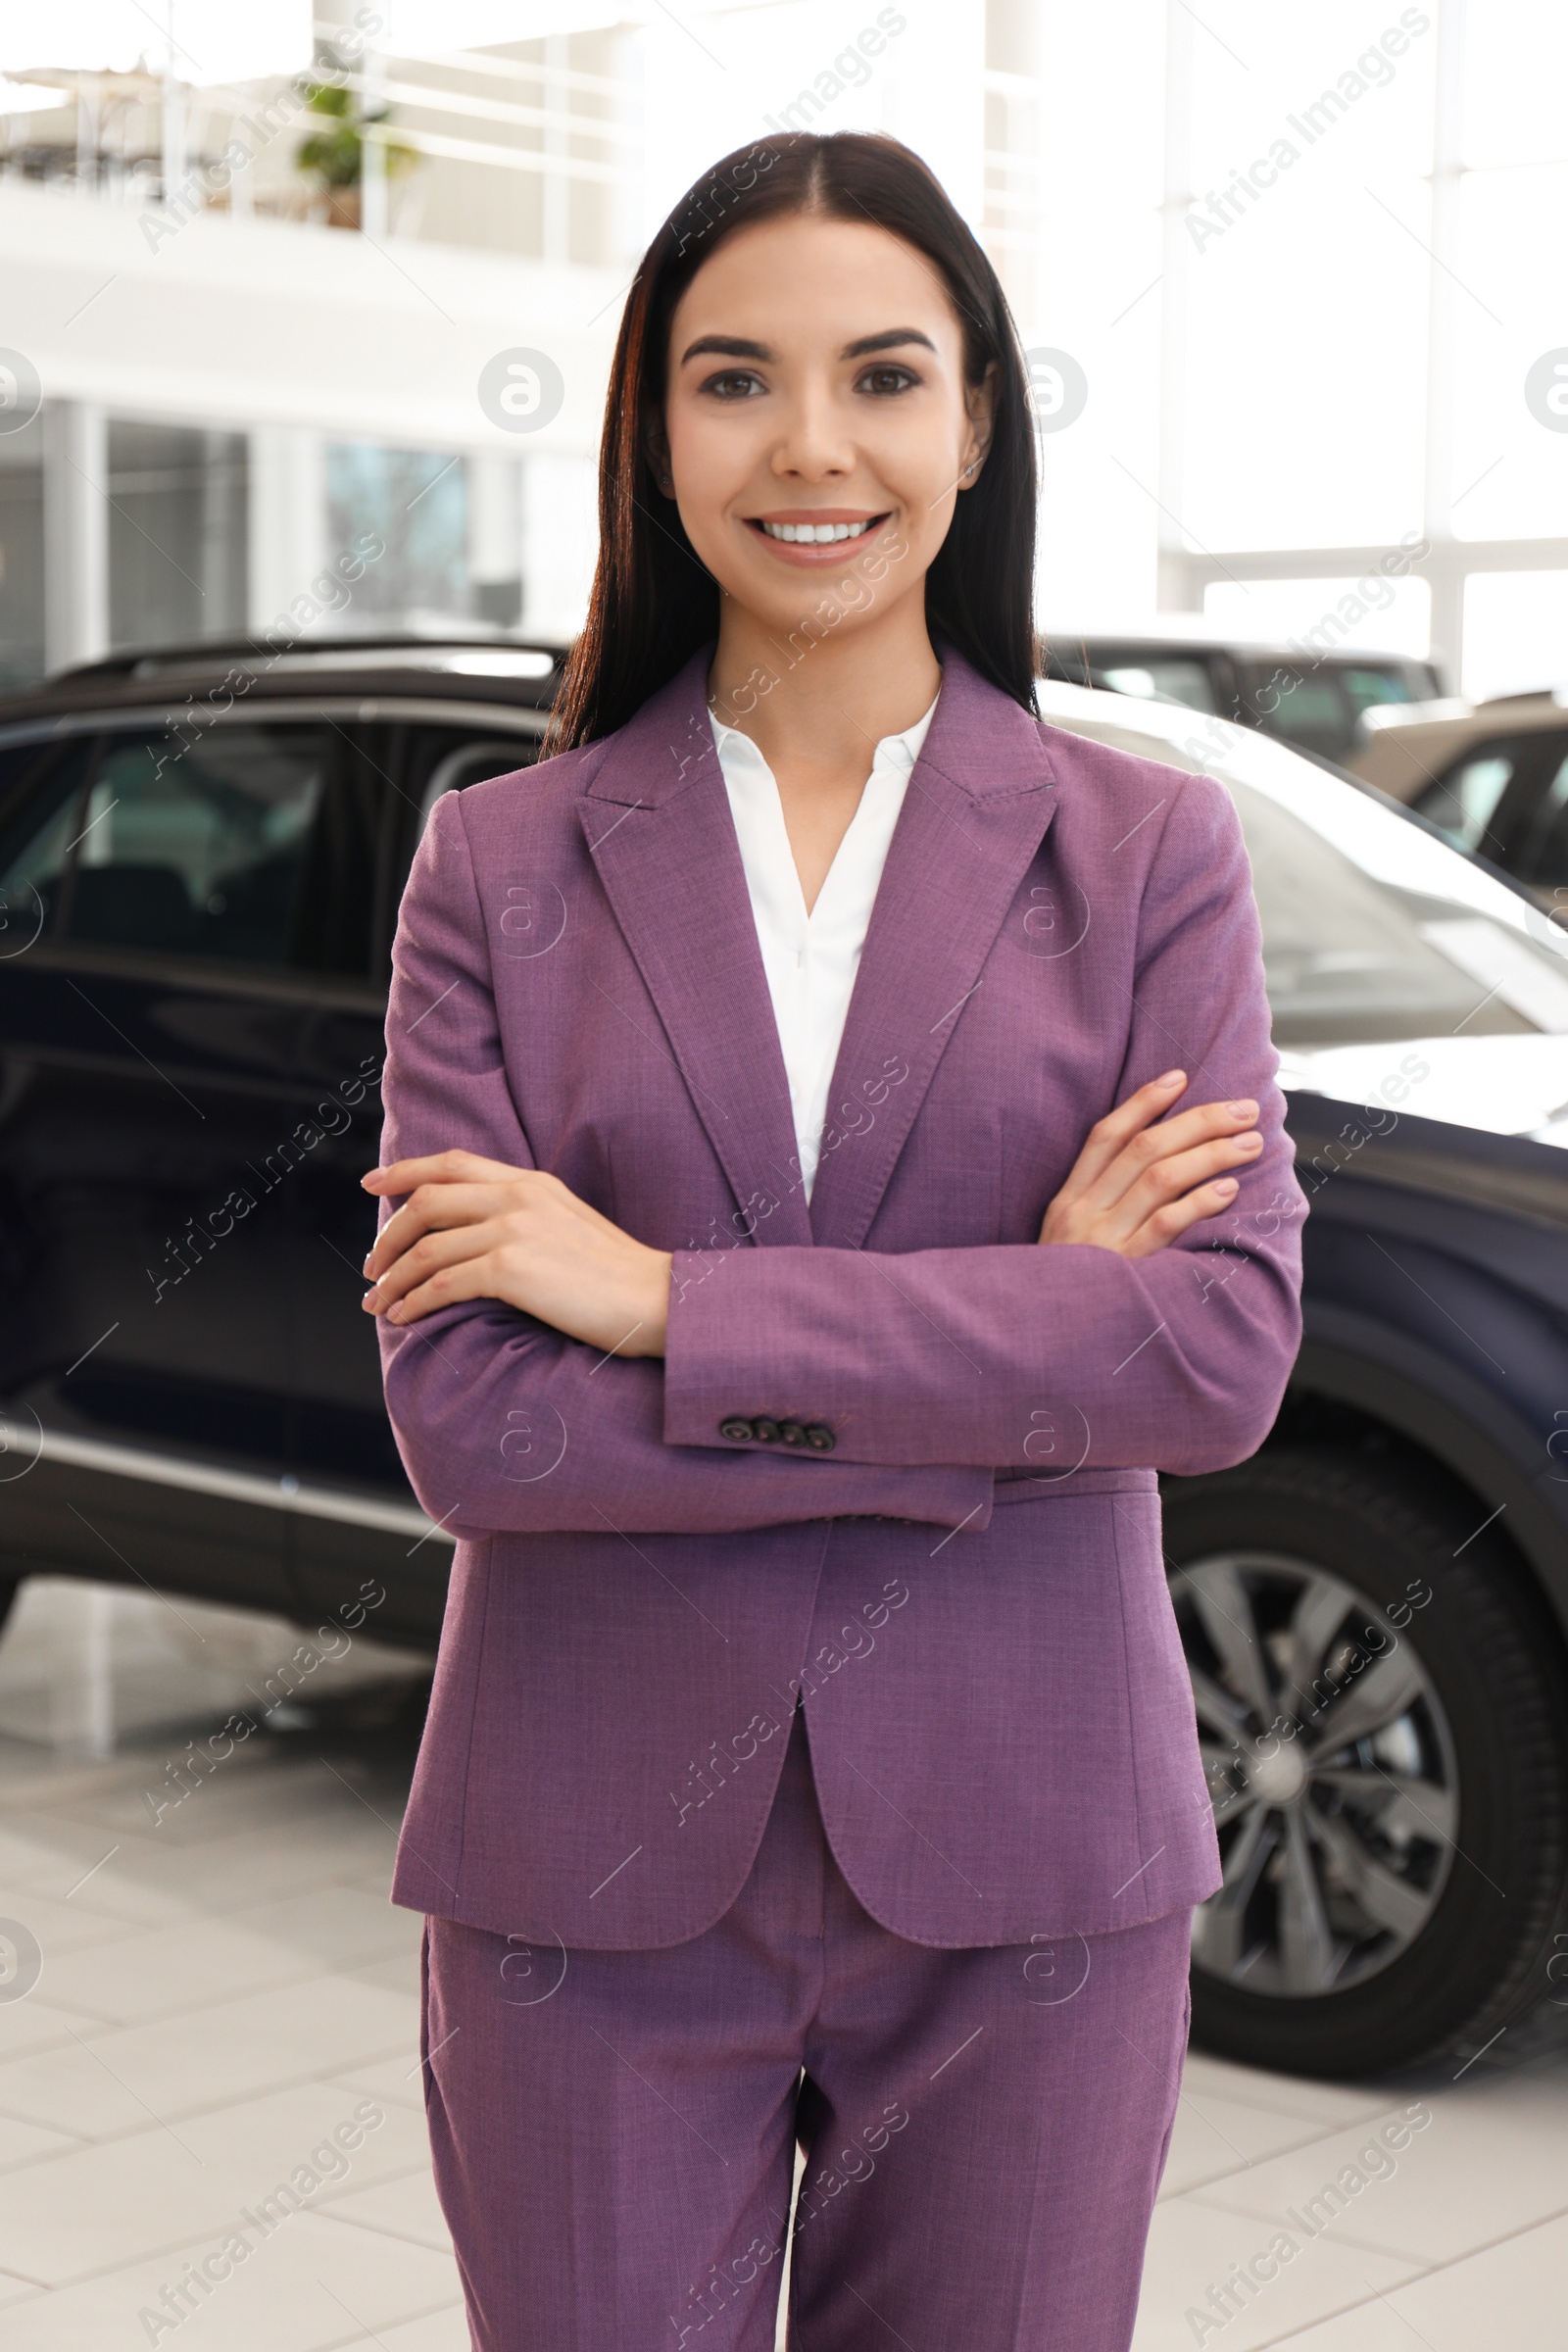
[979,402]
[656,448]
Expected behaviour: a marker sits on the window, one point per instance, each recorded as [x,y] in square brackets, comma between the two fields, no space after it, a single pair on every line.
[1541,858]
[22,541]
[1350,956]
[336,908]
[1366,686]
[1173,680]
[1515,624]
[177,532]
[35,846]
[1374,930]
[199,851]
[1305,706]
[413,504]
[474,764]
[433,761]
[1465,802]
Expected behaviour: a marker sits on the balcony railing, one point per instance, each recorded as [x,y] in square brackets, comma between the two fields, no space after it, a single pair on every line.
[144,142]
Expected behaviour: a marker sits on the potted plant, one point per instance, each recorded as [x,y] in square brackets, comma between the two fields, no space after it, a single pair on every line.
[335,154]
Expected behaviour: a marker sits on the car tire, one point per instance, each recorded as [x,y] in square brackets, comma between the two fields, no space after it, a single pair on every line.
[1435,1903]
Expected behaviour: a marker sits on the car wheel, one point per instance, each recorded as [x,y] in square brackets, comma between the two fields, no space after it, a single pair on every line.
[1380,1715]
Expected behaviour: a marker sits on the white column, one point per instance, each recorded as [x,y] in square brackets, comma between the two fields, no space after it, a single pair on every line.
[1442,333]
[75,532]
[559,542]
[218,515]
[495,537]
[372,153]
[86,139]
[1173,589]
[242,190]
[288,534]
[628,232]
[1013,36]
[556,190]
[174,112]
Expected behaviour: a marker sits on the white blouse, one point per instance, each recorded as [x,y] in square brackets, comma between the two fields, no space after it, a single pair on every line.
[812,960]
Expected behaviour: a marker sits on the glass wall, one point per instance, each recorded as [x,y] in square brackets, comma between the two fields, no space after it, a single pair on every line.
[177,533]
[1289,281]
[415,504]
[21,554]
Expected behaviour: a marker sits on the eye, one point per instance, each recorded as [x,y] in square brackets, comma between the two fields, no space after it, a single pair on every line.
[887,379]
[737,383]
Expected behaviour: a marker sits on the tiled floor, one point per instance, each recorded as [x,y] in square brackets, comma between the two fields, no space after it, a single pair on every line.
[223,1988]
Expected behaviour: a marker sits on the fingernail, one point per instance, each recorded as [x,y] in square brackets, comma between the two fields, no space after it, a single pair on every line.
[1226,1184]
[366,1268]
[1241,1110]
[1251,1143]
[1171,1078]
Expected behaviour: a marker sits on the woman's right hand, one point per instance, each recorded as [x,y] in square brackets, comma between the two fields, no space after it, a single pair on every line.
[1141,1179]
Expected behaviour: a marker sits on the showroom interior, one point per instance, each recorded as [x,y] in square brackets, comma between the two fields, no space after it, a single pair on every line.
[306,322]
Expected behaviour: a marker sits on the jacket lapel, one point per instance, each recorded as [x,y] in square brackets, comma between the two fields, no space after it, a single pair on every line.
[656,821]
[977,805]
[658,828]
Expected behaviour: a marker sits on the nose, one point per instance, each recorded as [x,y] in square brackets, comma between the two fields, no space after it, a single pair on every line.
[814,445]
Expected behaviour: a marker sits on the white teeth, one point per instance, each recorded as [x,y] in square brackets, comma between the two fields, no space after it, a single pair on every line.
[817,533]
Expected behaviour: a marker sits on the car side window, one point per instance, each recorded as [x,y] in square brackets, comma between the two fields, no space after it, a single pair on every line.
[199,851]
[1476,803]
[1307,709]
[1465,803]
[461,765]
[1165,678]
[1367,687]
[41,826]
[433,759]
[1542,856]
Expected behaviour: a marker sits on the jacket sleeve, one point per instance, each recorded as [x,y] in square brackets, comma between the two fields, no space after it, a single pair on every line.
[1048,1358]
[504,1424]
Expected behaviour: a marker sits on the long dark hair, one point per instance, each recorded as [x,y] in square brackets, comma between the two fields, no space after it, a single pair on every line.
[653,603]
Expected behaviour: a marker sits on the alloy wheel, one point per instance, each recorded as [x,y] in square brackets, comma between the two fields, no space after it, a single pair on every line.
[1331,1769]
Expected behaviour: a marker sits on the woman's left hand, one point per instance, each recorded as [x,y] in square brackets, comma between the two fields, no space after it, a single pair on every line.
[473,1228]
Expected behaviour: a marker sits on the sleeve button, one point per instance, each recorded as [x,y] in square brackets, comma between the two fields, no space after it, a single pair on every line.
[819,1437]
[735,1427]
[791,1433]
[765,1431]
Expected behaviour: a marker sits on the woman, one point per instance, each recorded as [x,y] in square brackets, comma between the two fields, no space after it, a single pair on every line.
[811,1755]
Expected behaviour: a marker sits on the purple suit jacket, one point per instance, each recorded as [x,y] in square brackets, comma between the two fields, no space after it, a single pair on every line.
[968,1587]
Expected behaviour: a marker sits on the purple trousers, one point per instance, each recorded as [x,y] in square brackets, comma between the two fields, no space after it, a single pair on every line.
[984,2128]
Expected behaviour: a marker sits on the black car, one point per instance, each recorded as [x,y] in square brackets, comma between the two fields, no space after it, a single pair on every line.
[201,857]
[1312,697]
[200,865]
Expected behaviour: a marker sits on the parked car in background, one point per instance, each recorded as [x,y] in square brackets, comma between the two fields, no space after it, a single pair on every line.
[201,857]
[1314,700]
[1491,776]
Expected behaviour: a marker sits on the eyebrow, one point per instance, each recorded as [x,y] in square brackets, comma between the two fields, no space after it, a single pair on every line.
[736,347]
[888,341]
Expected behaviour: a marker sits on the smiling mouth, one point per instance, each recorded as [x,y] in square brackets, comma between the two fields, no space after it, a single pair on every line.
[816,534]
